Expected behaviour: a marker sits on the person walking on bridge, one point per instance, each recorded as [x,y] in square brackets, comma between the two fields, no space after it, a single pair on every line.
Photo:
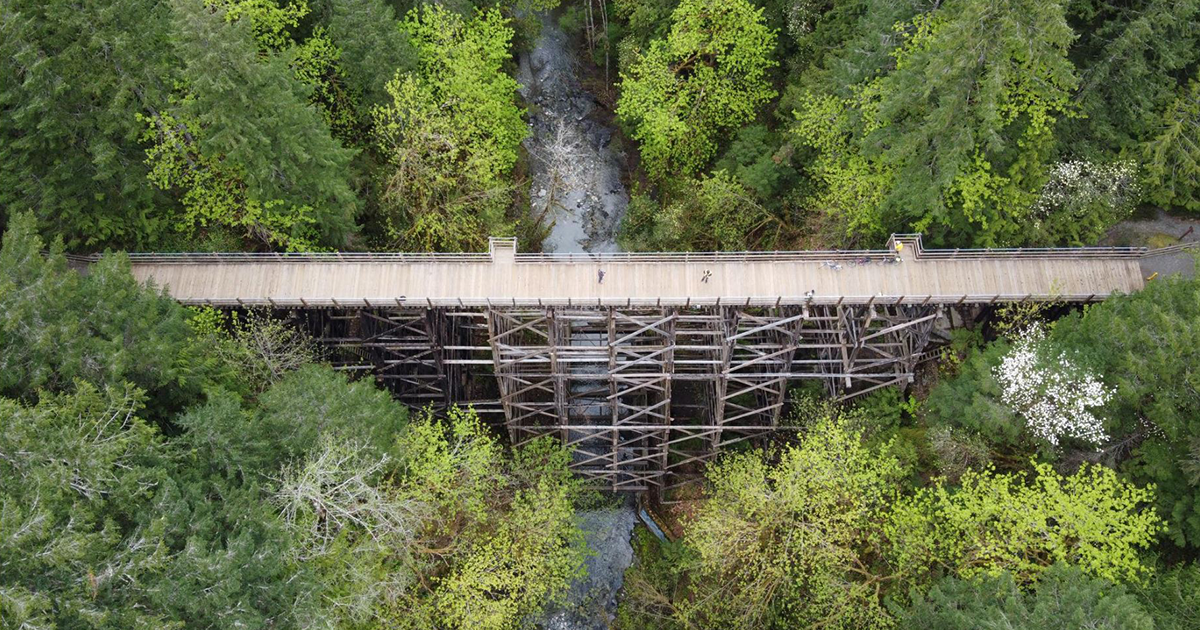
[600,276]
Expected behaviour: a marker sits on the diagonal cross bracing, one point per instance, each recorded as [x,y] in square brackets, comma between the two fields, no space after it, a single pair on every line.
[644,395]
[653,372]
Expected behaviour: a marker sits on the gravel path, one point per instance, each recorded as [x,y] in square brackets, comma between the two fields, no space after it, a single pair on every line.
[1159,231]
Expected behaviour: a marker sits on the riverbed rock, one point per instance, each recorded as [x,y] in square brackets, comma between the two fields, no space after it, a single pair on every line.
[592,600]
[587,221]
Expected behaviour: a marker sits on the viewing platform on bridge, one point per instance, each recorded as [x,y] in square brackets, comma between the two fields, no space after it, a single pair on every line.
[902,272]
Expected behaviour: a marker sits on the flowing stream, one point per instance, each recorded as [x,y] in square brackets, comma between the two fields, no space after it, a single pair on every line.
[576,176]
[576,188]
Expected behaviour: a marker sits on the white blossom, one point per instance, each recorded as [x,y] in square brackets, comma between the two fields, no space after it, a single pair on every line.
[801,16]
[1077,185]
[1055,396]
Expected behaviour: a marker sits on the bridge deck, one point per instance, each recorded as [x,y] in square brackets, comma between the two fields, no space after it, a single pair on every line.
[505,278]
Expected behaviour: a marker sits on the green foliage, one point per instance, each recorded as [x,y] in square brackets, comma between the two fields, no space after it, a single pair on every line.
[288,422]
[290,497]
[758,162]
[229,553]
[58,326]
[956,139]
[707,76]
[215,193]
[355,531]
[791,545]
[316,400]
[971,400]
[243,146]
[501,541]
[1144,347]
[956,451]
[853,186]
[883,411]
[1173,597]
[1065,597]
[256,348]
[823,533]
[656,578]
[290,454]
[713,213]
[1147,346]
[79,471]
[1129,57]
[993,523]
[318,62]
[271,23]
[1173,155]
[450,133]
[646,20]
[970,134]
[72,77]
[374,47]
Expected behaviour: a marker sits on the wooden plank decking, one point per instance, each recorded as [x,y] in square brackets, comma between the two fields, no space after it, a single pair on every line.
[505,279]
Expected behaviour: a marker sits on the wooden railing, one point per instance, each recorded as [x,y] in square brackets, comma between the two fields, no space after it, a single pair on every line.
[207,258]
[864,256]
[680,301]
[1173,249]
[911,240]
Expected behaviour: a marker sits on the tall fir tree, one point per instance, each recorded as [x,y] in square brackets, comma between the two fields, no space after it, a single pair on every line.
[1129,57]
[1173,154]
[254,118]
[967,117]
[72,76]
[374,47]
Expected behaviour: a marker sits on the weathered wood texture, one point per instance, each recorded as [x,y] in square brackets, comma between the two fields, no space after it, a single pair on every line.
[505,278]
[652,372]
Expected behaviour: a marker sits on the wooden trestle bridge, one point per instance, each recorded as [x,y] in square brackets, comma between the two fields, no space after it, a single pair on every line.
[645,364]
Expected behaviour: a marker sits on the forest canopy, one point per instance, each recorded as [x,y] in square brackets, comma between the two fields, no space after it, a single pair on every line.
[385,124]
[164,466]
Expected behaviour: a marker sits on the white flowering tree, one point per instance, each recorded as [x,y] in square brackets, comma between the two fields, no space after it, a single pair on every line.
[1056,397]
[1081,199]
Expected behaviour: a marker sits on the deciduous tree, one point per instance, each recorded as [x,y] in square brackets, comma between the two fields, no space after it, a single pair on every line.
[711,213]
[450,133]
[709,75]
[1147,345]
[501,541]
[1006,522]
[792,544]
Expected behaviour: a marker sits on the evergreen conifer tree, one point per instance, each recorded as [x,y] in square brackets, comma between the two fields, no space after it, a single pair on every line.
[253,118]
[72,76]
[374,47]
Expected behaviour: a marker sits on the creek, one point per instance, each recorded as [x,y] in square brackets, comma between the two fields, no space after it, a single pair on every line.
[576,189]
[575,173]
